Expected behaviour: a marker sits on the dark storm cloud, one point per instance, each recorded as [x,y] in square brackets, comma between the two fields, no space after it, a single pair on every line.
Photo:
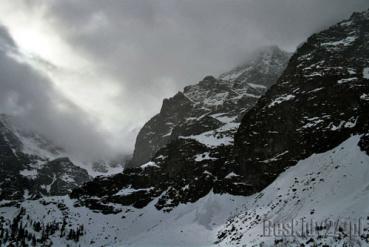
[31,97]
[157,47]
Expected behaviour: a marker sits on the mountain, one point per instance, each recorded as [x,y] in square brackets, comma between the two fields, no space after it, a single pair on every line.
[32,166]
[320,100]
[324,196]
[309,134]
[300,156]
[198,126]
[330,187]
[213,107]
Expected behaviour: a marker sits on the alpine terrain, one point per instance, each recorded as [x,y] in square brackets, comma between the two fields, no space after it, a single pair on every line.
[32,166]
[273,153]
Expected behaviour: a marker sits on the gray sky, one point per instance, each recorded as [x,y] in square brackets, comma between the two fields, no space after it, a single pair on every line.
[39,105]
[112,62]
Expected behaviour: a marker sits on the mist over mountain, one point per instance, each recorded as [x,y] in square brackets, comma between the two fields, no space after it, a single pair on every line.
[255,143]
[214,104]
[32,99]
[116,61]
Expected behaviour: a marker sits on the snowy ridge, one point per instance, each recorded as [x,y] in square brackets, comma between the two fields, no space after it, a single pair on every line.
[26,142]
[306,191]
[331,186]
[318,102]
[31,143]
[193,112]
[300,154]
[40,150]
[267,60]
[233,87]
[220,136]
[32,166]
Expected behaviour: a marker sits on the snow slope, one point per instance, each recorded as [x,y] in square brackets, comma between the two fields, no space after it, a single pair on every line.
[329,186]
[187,225]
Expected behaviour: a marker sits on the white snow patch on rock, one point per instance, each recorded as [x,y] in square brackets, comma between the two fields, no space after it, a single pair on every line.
[253,85]
[343,42]
[32,174]
[346,80]
[365,97]
[222,118]
[366,73]
[149,164]
[204,156]
[351,123]
[281,99]
[231,175]
[130,190]
[210,140]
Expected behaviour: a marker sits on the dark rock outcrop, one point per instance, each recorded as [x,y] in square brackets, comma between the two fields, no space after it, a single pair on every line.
[198,127]
[30,165]
[156,133]
[191,112]
[320,101]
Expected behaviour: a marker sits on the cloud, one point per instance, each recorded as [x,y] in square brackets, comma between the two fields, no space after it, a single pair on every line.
[32,98]
[156,47]
[142,51]
[183,40]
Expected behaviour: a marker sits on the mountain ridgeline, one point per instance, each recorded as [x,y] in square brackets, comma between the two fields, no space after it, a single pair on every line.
[206,106]
[185,151]
[277,140]
[320,100]
[31,166]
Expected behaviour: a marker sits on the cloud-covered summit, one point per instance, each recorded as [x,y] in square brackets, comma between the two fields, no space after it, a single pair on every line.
[32,99]
[115,61]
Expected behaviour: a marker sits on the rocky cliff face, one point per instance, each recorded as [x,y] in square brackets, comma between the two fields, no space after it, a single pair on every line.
[311,129]
[210,104]
[198,126]
[156,133]
[320,100]
[32,166]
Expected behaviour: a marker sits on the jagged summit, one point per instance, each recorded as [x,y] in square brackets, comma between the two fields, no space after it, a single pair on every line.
[32,166]
[300,155]
[187,148]
[210,104]
[27,141]
[264,64]
[320,100]
[317,103]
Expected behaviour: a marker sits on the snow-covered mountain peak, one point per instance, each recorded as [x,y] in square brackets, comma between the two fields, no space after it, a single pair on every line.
[28,141]
[300,155]
[33,166]
[266,60]
[318,102]
[195,112]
